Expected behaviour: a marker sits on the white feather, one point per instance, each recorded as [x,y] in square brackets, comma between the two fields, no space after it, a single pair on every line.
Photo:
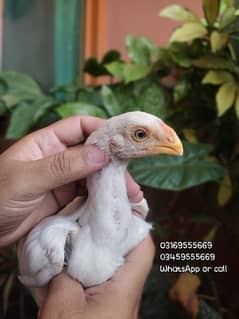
[103,230]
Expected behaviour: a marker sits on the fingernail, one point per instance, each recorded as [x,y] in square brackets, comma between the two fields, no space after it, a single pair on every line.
[137,197]
[96,156]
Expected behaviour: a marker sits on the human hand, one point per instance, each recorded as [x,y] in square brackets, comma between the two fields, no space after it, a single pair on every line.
[118,298]
[39,174]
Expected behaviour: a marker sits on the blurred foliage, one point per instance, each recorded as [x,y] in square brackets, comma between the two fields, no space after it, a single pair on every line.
[192,83]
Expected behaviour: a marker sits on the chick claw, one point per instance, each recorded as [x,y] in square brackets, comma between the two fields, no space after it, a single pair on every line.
[55,256]
[141,207]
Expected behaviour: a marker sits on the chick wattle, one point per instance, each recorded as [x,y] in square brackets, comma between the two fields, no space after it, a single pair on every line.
[93,241]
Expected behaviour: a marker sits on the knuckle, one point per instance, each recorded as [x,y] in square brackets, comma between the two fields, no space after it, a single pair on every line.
[60,165]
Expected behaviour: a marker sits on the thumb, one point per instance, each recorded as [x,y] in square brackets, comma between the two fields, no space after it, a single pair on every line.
[62,168]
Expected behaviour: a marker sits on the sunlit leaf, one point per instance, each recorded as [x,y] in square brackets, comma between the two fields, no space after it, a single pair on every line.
[211,10]
[190,135]
[225,191]
[140,50]
[211,234]
[237,104]
[116,69]
[133,72]
[74,108]
[214,62]
[227,17]
[232,49]
[217,77]
[230,3]
[188,32]
[10,100]
[218,40]
[128,72]
[225,97]
[178,12]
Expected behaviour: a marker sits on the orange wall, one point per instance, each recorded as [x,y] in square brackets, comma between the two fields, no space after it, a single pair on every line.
[139,17]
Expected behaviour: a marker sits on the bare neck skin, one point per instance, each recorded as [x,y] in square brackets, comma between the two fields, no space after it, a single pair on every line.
[108,202]
[107,210]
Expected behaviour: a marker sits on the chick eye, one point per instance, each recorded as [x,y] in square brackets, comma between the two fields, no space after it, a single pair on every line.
[140,135]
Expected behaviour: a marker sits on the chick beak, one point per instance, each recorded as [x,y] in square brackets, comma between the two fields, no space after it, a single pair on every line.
[167,142]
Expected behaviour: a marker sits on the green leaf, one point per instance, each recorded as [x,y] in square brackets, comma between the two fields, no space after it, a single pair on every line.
[3,86]
[203,219]
[225,97]
[140,50]
[3,108]
[237,104]
[41,106]
[89,95]
[211,10]
[111,56]
[6,291]
[188,32]
[208,312]
[218,40]
[133,72]
[217,77]
[179,54]
[125,95]
[155,303]
[178,12]
[152,100]
[116,69]
[181,90]
[177,173]
[230,3]
[227,17]
[110,102]
[224,191]
[10,100]
[95,68]
[20,87]
[26,114]
[75,108]
[210,236]
[233,45]
[215,62]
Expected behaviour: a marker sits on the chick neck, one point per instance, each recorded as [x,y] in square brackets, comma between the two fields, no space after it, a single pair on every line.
[108,202]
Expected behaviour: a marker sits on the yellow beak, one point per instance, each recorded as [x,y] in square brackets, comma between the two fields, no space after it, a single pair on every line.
[170,148]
